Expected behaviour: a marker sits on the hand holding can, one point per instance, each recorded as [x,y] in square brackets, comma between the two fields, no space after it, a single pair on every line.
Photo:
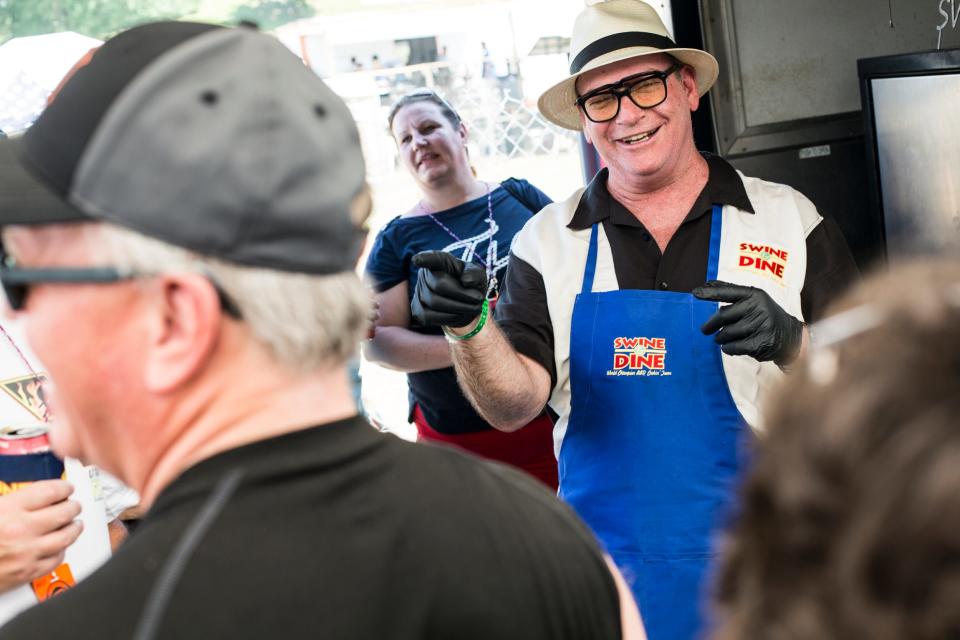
[37,524]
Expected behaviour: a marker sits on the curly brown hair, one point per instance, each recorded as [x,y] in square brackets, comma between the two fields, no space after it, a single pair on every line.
[850,523]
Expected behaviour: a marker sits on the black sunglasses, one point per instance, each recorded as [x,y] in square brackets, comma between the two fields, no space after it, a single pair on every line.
[646,90]
[16,282]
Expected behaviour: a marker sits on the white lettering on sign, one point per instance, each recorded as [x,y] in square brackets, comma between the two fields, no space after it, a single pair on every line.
[950,12]
[815,152]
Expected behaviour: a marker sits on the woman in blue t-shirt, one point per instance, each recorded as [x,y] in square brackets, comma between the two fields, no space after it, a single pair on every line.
[475,221]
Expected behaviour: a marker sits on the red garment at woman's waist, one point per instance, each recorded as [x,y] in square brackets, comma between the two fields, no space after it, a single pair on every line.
[529,448]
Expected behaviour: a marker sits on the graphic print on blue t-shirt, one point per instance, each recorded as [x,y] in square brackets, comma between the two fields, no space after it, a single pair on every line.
[389,264]
[481,248]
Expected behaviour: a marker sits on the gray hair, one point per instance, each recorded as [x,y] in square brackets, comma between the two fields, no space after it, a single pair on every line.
[305,321]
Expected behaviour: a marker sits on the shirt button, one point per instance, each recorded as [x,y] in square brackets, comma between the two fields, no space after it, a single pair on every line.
[664,285]
[646,236]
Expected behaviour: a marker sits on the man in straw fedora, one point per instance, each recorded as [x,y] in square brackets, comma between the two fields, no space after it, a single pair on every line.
[610,310]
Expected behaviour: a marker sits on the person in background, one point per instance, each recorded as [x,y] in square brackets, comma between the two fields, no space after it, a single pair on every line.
[442,75]
[487,70]
[184,266]
[610,311]
[475,221]
[850,519]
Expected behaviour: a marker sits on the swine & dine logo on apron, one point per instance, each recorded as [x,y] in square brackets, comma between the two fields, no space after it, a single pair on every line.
[639,357]
[763,259]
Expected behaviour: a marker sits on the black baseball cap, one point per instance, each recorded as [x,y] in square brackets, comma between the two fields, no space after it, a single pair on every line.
[218,140]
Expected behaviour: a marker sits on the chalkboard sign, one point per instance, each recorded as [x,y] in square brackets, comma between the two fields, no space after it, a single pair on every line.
[788,69]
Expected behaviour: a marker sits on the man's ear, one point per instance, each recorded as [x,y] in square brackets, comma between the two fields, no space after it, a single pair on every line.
[464,134]
[183,330]
[584,129]
[688,78]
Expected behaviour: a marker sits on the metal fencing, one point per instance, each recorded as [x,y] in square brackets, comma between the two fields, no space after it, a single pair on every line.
[508,127]
[502,121]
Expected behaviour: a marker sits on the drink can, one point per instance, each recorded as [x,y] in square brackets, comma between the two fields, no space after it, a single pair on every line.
[15,441]
[25,456]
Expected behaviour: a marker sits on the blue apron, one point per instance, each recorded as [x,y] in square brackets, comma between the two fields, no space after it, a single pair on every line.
[653,446]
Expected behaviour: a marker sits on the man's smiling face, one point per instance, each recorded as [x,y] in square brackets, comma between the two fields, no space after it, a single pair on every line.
[645,146]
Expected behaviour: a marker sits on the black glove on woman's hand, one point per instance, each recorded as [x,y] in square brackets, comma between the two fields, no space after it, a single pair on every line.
[449,291]
[753,325]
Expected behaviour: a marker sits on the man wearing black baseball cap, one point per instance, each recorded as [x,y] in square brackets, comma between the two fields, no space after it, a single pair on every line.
[180,230]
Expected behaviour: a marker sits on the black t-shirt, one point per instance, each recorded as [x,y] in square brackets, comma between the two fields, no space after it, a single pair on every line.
[341,532]
[464,231]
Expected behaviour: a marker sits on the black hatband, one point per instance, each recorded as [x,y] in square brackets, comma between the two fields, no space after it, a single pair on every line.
[617,41]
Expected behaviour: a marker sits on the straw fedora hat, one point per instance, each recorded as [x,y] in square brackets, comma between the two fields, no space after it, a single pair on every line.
[609,32]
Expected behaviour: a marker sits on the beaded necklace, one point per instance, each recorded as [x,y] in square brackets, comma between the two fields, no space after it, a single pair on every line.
[493,287]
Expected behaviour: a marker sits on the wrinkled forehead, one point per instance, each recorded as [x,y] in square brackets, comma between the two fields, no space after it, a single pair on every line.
[615,71]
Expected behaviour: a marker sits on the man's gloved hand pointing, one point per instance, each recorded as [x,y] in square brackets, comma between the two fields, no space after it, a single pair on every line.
[449,291]
[753,325]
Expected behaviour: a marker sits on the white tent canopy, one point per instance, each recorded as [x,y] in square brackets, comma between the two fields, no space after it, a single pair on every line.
[30,68]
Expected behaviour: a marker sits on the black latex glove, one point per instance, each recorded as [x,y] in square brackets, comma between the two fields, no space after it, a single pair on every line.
[753,325]
[449,291]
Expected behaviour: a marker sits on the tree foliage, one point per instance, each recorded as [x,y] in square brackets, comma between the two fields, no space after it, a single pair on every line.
[269,14]
[96,18]
[104,18]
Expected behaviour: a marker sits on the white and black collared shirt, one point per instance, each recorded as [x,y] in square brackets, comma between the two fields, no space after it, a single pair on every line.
[524,312]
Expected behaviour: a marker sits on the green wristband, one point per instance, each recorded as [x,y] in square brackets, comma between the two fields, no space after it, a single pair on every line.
[484,311]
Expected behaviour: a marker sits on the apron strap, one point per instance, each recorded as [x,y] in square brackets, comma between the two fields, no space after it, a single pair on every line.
[591,269]
[713,262]
[716,225]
